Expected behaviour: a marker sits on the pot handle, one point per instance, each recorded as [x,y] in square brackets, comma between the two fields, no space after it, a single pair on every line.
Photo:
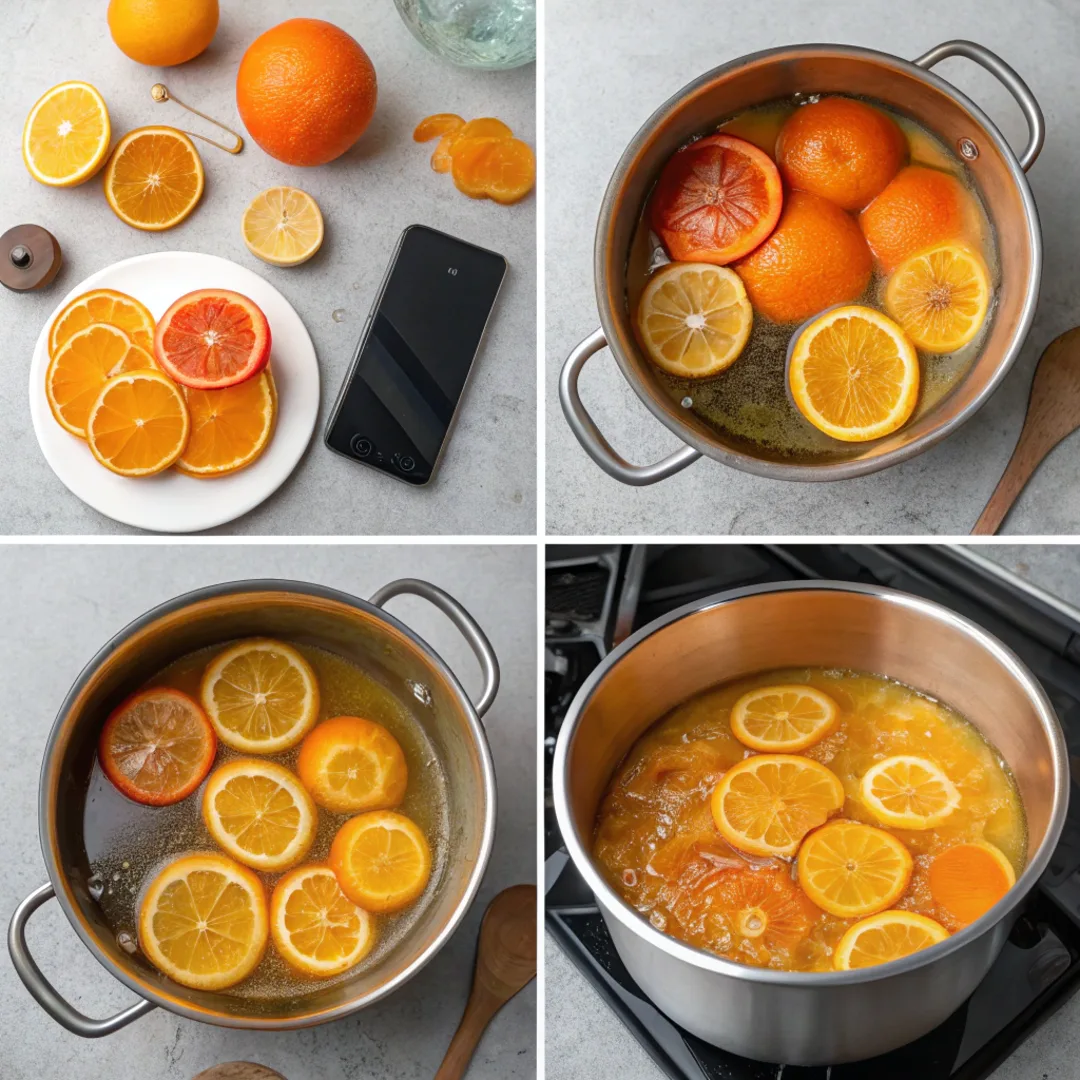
[1008,78]
[592,440]
[470,629]
[42,990]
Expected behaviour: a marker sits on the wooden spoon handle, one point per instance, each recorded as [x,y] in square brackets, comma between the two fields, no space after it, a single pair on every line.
[1017,473]
[478,1013]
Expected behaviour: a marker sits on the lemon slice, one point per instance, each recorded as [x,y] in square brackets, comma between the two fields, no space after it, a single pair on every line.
[66,136]
[891,935]
[908,792]
[853,374]
[283,226]
[783,719]
[694,319]
[940,297]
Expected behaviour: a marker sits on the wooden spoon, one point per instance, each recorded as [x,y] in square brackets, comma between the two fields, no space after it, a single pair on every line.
[505,962]
[1053,412]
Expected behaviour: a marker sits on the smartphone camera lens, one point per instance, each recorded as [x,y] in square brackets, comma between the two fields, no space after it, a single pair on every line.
[406,464]
[361,445]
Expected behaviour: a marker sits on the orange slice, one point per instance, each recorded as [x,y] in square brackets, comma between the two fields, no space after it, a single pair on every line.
[783,719]
[381,860]
[967,880]
[766,804]
[66,136]
[908,792]
[852,870]
[350,764]
[203,922]
[261,695]
[139,424]
[83,365]
[431,127]
[317,930]
[157,746]
[486,167]
[103,306]
[230,428]
[854,375]
[260,814]
[154,178]
[891,935]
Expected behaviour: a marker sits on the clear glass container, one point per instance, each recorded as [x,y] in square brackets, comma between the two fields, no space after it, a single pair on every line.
[492,34]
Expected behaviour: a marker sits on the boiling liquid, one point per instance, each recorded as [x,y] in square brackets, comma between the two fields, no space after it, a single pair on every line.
[127,844]
[657,805]
[748,404]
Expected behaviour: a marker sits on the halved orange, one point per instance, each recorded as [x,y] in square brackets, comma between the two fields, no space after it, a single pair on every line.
[230,428]
[908,792]
[382,861]
[139,424]
[850,869]
[350,763]
[432,127]
[766,804]
[317,930]
[66,136]
[890,935]
[157,746]
[967,880]
[103,306]
[83,365]
[203,922]
[783,719]
[154,178]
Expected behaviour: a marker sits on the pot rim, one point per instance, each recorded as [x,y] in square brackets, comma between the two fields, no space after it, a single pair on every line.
[837,470]
[46,816]
[633,921]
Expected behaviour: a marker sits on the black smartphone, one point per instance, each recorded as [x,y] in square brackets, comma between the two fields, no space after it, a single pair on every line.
[399,398]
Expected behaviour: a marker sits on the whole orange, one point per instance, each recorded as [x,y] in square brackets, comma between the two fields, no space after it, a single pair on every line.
[920,208]
[815,258]
[162,32]
[305,91]
[841,149]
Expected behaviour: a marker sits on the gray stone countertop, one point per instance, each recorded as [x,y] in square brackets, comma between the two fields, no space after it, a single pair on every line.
[487,479]
[71,600]
[607,68]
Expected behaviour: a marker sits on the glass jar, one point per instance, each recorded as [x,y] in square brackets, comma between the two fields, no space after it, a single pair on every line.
[492,34]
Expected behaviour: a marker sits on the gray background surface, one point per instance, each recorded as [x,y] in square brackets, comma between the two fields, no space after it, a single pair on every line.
[585,1039]
[608,66]
[71,600]
[486,482]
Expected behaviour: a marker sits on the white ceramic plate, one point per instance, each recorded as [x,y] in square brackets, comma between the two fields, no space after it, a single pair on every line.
[170,501]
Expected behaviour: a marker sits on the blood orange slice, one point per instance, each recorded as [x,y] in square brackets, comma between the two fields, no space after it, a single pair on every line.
[212,338]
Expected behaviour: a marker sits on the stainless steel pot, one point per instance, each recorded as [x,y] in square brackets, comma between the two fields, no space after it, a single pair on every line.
[793,1017]
[910,87]
[355,629]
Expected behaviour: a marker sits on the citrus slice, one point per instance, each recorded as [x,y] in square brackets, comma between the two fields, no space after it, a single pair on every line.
[891,935]
[83,365]
[441,124]
[103,306]
[261,696]
[203,922]
[283,226]
[157,746]
[154,178]
[694,319]
[850,869]
[783,719]
[717,199]
[940,297]
[139,424]
[853,374]
[316,929]
[66,136]
[483,127]
[350,764]
[259,813]
[230,428]
[381,860]
[212,338]
[766,804]
[441,158]
[502,169]
[967,880]
[908,792]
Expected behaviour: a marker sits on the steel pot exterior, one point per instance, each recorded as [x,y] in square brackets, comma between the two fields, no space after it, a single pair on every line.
[911,88]
[799,1018]
[354,628]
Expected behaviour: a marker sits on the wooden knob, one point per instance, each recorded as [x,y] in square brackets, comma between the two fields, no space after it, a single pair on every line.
[239,1070]
[29,258]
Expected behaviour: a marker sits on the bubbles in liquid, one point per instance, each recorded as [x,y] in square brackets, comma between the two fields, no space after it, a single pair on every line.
[338,314]
[95,886]
[127,942]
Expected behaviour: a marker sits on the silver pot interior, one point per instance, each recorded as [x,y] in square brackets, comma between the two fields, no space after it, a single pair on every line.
[824,69]
[357,634]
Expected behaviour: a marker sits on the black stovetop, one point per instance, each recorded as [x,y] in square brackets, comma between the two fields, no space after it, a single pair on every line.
[596,596]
